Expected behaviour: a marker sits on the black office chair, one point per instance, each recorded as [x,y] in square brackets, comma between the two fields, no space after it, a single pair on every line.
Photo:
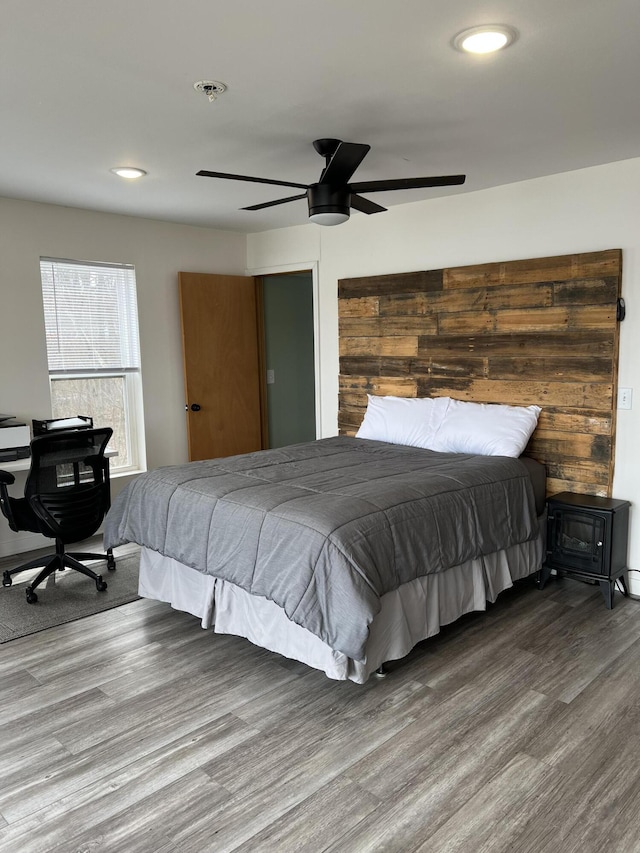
[66,497]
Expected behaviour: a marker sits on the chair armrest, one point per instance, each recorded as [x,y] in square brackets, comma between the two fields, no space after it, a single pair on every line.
[103,463]
[6,479]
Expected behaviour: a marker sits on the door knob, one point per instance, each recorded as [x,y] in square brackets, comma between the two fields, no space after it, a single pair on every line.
[194,407]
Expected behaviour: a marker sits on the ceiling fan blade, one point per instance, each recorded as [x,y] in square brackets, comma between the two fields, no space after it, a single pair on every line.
[365,206]
[407,184]
[273,203]
[345,161]
[206,174]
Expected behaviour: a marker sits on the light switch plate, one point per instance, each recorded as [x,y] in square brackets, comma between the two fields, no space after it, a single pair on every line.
[625,397]
[271,377]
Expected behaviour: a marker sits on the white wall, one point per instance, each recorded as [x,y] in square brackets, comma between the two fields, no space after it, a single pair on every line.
[158,251]
[582,211]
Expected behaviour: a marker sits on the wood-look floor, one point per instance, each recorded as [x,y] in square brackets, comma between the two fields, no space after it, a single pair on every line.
[135,731]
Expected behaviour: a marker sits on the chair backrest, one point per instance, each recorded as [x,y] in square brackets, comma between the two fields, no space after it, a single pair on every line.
[68,482]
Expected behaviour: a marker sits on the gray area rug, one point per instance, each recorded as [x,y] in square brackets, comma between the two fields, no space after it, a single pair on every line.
[68,597]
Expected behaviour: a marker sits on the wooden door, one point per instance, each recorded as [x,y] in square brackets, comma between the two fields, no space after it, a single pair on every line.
[222,364]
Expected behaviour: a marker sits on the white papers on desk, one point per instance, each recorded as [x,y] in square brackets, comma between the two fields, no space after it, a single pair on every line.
[68,423]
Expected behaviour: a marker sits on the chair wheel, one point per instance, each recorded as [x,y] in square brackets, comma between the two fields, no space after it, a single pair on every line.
[111,564]
[100,584]
[6,579]
[31,596]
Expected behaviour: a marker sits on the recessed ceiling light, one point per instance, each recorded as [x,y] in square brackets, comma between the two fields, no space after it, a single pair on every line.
[129,172]
[485,39]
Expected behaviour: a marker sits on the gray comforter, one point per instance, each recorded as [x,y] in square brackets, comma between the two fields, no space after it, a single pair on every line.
[324,529]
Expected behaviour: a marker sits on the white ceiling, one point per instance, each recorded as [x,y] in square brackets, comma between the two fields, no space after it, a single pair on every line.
[90,84]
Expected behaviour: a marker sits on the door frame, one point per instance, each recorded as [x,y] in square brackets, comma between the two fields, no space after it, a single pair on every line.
[312,267]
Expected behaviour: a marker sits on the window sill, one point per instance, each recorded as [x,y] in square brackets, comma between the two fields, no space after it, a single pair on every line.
[128,472]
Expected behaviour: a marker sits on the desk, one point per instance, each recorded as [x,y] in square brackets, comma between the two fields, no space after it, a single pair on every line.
[25,464]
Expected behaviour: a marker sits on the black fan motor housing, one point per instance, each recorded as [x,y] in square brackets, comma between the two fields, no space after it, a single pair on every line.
[324,198]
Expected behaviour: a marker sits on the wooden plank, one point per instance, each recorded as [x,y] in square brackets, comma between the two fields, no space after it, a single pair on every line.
[595,264]
[363,365]
[356,398]
[555,318]
[382,386]
[305,827]
[351,418]
[512,272]
[517,393]
[561,317]
[468,323]
[349,431]
[558,268]
[379,346]
[568,342]
[466,367]
[556,368]
[578,470]
[466,299]
[367,327]
[390,366]
[547,444]
[365,307]
[576,420]
[409,282]
[590,291]
[556,485]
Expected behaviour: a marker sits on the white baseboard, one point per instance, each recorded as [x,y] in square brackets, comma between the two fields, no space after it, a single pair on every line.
[21,542]
[633,582]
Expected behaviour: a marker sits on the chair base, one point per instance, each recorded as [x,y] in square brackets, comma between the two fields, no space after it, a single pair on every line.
[58,562]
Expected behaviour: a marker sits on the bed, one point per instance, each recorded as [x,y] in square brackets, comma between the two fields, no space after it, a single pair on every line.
[342,553]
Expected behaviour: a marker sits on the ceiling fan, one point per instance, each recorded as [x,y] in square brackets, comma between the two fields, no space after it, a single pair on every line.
[331,198]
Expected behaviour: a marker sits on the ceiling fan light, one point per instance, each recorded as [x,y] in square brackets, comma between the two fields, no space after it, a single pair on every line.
[335,218]
[485,39]
[328,205]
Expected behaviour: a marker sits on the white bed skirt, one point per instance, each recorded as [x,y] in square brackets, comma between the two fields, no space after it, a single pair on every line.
[408,615]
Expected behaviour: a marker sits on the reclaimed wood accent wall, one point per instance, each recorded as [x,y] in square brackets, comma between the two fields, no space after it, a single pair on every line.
[541,331]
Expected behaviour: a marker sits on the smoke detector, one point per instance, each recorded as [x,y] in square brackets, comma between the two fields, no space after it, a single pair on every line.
[210,88]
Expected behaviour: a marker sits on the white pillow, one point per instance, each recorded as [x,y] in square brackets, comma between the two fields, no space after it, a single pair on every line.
[403,420]
[485,429]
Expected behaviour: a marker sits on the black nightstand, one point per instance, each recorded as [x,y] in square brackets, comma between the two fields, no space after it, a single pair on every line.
[587,537]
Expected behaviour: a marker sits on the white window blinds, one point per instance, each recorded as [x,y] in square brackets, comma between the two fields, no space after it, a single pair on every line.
[91,316]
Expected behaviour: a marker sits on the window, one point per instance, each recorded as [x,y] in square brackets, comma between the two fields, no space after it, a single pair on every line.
[91,322]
